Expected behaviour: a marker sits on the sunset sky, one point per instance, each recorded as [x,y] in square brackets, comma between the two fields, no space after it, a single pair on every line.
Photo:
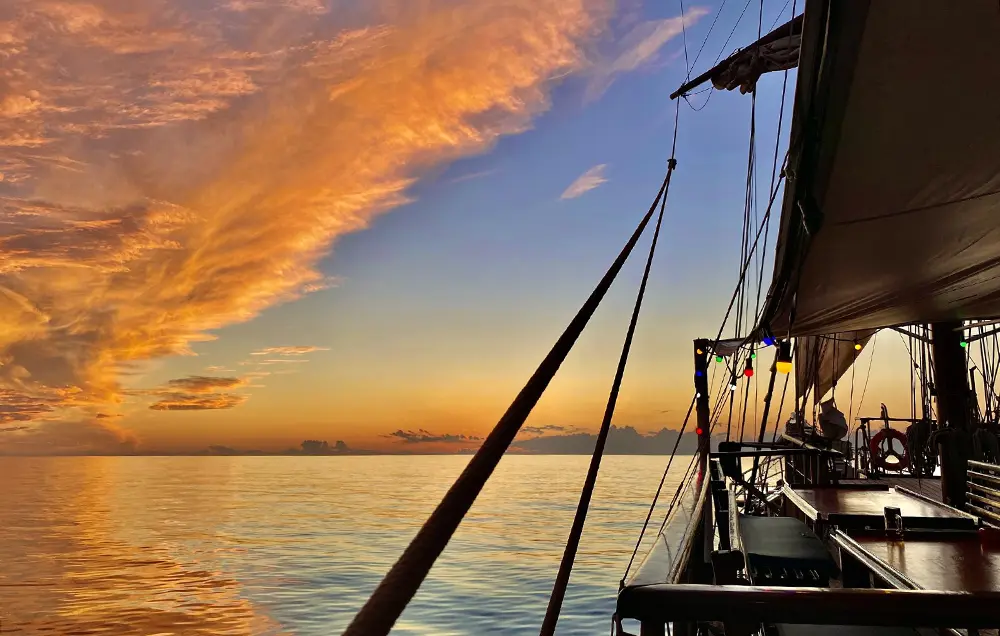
[253,222]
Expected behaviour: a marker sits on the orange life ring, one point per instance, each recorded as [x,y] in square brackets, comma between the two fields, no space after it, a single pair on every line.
[880,455]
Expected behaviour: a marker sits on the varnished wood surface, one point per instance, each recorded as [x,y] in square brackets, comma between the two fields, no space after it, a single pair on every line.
[951,564]
[839,501]
[927,486]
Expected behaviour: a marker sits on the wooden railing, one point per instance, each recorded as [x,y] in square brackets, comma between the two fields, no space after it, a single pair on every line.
[984,491]
[813,606]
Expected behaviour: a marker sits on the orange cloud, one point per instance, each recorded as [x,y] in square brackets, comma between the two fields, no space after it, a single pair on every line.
[287,351]
[170,170]
[196,393]
[187,402]
[204,384]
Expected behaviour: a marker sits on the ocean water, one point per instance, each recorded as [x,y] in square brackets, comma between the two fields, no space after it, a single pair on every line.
[294,545]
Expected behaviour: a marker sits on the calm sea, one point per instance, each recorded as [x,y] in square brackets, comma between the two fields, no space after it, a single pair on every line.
[294,545]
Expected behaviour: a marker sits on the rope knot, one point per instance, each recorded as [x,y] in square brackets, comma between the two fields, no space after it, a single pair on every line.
[671,163]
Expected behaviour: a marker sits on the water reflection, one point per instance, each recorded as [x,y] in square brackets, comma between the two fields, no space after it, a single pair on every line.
[101,546]
[274,545]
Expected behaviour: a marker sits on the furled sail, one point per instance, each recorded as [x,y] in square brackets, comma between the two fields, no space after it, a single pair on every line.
[891,212]
[820,361]
[776,51]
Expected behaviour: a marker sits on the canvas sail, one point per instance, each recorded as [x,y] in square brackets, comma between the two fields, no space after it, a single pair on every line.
[820,361]
[891,212]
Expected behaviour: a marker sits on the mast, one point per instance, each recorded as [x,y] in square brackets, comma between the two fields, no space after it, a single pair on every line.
[702,410]
[952,388]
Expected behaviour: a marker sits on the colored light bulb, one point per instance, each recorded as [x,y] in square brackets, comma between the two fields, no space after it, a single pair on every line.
[748,372]
[964,344]
[699,430]
[753,356]
[718,358]
[857,346]
[698,373]
[768,341]
[732,387]
[783,362]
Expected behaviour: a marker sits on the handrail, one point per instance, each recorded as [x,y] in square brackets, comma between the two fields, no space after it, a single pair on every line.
[882,570]
[984,466]
[810,606]
[797,442]
[985,496]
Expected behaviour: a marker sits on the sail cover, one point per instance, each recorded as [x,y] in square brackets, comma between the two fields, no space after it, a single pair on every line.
[820,361]
[891,212]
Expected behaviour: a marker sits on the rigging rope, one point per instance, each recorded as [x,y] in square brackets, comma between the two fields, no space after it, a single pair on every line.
[401,583]
[750,250]
[777,423]
[719,57]
[573,542]
[684,37]
[868,375]
[705,41]
[719,401]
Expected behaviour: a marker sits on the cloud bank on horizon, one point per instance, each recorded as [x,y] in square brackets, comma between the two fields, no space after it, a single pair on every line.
[170,168]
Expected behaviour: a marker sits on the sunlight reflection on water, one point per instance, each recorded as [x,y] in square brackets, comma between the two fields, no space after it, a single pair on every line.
[294,545]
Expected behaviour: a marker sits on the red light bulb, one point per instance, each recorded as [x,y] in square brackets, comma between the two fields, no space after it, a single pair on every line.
[748,372]
[699,430]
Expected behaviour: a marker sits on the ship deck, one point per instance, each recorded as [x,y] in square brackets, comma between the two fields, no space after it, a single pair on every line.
[860,505]
[940,549]
[929,487]
[953,564]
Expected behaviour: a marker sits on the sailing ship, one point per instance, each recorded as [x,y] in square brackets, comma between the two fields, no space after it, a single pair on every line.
[889,220]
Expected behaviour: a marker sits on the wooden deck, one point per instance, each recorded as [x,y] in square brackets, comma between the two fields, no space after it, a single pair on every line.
[926,486]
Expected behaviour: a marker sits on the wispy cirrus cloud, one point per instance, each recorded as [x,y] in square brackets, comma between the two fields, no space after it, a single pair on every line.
[639,47]
[287,351]
[473,175]
[586,182]
[173,168]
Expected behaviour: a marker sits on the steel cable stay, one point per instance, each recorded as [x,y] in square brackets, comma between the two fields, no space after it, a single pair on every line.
[400,584]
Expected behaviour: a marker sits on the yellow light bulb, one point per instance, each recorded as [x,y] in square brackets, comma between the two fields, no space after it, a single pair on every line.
[783,367]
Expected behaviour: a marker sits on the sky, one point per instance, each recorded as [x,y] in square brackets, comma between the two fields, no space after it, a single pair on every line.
[250,223]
